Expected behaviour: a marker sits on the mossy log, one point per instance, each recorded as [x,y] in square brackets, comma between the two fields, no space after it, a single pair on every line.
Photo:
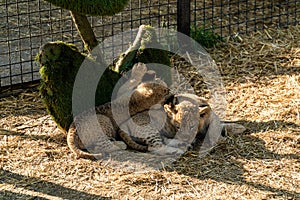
[145,49]
[60,63]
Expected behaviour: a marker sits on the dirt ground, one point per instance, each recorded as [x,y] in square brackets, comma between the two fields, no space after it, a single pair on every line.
[261,73]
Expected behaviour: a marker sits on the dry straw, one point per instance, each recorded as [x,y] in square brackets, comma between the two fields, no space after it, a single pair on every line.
[261,73]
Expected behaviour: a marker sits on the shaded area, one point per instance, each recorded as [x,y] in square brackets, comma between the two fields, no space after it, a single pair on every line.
[227,162]
[254,127]
[38,185]
[13,195]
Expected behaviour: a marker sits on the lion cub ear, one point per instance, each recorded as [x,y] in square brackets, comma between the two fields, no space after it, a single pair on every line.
[204,111]
[171,100]
[170,105]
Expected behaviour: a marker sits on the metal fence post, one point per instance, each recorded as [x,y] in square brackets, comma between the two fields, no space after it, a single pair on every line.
[183,24]
[184,16]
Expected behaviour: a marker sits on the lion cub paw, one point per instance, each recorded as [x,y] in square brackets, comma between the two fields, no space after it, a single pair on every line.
[166,150]
[177,144]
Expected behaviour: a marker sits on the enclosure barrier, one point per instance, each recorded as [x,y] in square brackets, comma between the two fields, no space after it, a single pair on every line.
[28,24]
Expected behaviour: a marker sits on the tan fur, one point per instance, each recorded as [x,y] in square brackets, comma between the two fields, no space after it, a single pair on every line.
[98,142]
[171,128]
[189,120]
[146,135]
[190,114]
[195,120]
[182,112]
[188,109]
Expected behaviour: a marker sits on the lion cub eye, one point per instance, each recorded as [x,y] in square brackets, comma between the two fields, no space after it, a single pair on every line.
[202,115]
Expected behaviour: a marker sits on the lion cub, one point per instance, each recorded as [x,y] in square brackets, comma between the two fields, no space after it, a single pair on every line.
[157,121]
[177,124]
[96,130]
[182,122]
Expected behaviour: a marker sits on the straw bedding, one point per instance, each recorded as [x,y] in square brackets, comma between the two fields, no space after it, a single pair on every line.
[261,73]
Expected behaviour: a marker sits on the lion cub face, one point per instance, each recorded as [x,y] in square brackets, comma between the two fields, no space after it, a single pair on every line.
[146,95]
[187,112]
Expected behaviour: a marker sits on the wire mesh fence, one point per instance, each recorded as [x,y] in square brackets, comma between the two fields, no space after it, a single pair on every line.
[26,25]
[231,17]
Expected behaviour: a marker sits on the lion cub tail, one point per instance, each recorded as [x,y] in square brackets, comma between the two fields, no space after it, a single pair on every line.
[131,142]
[76,145]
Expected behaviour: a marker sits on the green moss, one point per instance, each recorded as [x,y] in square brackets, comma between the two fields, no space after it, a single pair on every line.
[206,38]
[146,54]
[145,49]
[92,7]
[60,63]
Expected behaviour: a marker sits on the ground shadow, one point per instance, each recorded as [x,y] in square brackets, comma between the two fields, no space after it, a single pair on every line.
[254,127]
[223,165]
[13,195]
[41,186]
